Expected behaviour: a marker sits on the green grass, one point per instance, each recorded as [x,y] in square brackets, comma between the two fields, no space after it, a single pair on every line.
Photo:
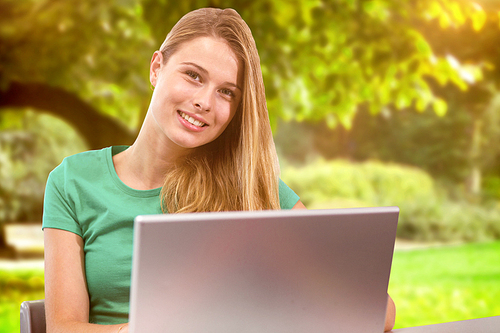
[445,284]
[16,287]
[429,286]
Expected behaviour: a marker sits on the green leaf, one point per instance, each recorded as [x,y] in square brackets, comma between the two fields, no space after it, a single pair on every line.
[479,19]
[440,107]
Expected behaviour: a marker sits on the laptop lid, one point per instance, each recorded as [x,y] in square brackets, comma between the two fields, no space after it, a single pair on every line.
[266,271]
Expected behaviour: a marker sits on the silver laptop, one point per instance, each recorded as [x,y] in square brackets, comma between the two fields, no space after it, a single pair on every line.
[267,271]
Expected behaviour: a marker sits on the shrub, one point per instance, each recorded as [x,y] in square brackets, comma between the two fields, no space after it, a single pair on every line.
[491,187]
[374,183]
[426,214]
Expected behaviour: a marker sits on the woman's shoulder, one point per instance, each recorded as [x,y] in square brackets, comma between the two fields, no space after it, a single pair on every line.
[288,198]
[81,164]
[89,155]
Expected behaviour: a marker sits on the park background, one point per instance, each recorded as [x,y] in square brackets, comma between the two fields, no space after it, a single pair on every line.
[371,103]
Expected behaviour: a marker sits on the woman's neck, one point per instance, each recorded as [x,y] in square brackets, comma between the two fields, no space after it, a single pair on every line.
[143,165]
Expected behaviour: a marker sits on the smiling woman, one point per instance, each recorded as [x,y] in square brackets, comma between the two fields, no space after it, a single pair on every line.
[239,165]
[205,145]
[196,94]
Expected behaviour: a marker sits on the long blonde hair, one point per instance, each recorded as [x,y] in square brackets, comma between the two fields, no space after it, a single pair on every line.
[238,170]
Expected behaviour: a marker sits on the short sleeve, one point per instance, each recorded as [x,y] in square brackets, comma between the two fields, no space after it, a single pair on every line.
[288,198]
[58,210]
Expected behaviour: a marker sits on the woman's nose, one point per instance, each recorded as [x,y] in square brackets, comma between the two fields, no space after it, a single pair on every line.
[203,99]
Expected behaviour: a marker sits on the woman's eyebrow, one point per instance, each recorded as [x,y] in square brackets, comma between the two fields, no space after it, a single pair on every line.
[204,71]
[201,69]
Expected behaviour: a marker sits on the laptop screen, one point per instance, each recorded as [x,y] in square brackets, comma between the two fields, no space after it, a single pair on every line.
[266,271]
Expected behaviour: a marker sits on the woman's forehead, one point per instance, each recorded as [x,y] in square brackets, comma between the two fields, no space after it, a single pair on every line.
[212,54]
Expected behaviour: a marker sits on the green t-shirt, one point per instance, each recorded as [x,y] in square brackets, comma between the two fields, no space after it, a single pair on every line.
[85,196]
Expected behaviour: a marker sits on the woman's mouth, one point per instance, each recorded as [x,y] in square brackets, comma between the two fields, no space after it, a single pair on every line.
[191,120]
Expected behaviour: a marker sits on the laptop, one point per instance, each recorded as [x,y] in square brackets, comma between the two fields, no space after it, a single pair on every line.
[266,271]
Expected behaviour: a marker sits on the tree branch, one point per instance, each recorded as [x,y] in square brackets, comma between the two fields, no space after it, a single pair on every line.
[97,129]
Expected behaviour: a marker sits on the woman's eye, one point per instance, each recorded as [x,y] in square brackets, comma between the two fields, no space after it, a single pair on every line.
[193,75]
[227,92]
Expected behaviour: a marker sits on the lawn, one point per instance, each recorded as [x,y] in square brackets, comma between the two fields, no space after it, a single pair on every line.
[429,286]
[16,287]
[445,284]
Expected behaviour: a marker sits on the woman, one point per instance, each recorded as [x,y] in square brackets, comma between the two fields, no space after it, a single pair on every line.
[205,145]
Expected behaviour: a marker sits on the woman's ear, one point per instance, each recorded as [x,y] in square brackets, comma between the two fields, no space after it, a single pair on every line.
[154,67]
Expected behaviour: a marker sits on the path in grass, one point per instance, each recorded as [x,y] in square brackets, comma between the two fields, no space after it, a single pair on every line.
[445,284]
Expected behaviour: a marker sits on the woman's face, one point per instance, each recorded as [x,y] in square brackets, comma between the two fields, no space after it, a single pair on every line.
[196,92]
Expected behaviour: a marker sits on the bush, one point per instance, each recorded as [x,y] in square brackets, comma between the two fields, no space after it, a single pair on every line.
[426,214]
[374,183]
[491,187]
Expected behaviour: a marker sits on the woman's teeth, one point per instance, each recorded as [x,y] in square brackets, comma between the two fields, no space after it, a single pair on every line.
[191,120]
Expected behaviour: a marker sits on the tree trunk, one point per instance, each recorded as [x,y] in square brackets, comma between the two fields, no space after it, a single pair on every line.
[474,179]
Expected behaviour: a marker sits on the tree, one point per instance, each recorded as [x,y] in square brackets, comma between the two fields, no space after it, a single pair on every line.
[31,144]
[320,59]
[87,61]
[472,44]
[469,45]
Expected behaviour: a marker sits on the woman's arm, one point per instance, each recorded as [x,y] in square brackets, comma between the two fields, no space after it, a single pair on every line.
[390,316]
[66,296]
[299,205]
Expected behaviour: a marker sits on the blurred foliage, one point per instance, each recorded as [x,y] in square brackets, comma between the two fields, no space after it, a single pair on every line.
[324,58]
[31,144]
[435,144]
[426,213]
[490,156]
[492,187]
[98,50]
[440,145]
[321,60]
[373,183]
[422,139]
[22,281]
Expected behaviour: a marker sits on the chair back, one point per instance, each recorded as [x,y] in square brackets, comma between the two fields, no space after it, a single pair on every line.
[33,317]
